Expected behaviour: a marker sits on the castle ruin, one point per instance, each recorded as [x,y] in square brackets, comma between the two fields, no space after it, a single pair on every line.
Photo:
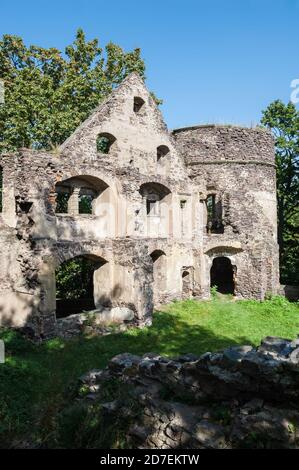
[162,215]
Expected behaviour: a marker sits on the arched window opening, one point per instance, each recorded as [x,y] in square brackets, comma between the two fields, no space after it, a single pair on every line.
[214,215]
[75,285]
[138,104]
[162,151]
[78,195]
[156,254]
[223,275]
[105,142]
[1,189]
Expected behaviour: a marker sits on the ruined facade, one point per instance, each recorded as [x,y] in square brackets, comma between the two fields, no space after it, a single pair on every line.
[163,215]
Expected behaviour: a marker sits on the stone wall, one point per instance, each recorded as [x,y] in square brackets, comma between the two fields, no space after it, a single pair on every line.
[238,167]
[235,398]
[148,224]
[229,143]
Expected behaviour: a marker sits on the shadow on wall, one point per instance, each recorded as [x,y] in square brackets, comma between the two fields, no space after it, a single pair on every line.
[16,308]
[106,300]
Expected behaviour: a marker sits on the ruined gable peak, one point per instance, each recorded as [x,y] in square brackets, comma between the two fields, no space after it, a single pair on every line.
[129,105]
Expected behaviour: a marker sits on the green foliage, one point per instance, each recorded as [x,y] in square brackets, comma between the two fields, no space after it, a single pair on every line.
[74,279]
[103,144]
[85,425]
[62,203]
[211,209]
[85,204]
[48,93]
[34,378]
[76,425]
[214,292]
[221,415]
[283,120]
[81,426]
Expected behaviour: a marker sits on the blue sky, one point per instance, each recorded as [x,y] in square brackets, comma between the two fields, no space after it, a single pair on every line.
[210,61]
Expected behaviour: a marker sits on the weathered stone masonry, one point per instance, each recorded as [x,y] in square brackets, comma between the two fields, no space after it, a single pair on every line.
[169,210]
[240,397]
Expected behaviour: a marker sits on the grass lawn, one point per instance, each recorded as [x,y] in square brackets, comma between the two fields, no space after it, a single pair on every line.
[34,378]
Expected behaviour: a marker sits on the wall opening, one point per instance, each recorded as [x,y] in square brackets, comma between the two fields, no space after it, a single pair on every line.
[138,104]
[214,214]
[75,285]
[25,206]
[153,194]
[183,216]
[86,198]
[62,198]
[162,151]
[222,275]
[159,273]
[187,282]
[105,142]
[156,202]
[79,195]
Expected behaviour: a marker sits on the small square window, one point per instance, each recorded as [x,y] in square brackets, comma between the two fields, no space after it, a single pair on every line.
[183,204]
[138,104]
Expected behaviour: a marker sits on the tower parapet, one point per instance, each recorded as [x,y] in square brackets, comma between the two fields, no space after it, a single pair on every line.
[216,144]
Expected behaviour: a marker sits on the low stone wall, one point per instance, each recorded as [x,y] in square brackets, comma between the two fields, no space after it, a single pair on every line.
[239,397]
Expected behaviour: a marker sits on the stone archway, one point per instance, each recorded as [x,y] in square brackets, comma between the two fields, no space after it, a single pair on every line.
[222,275]
[76,284]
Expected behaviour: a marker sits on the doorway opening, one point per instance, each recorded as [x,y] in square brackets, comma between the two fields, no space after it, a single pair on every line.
[75,285]
[222,275]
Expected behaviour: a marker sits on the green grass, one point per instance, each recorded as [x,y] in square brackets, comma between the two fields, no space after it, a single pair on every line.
[34,378]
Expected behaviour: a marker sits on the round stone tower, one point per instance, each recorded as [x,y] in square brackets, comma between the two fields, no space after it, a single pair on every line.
[237,168]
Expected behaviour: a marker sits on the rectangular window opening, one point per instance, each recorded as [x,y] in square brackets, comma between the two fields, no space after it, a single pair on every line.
[152,207]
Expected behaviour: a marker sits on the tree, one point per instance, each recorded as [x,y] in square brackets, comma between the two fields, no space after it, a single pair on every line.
[48,94]
[74,278]
[283,120]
